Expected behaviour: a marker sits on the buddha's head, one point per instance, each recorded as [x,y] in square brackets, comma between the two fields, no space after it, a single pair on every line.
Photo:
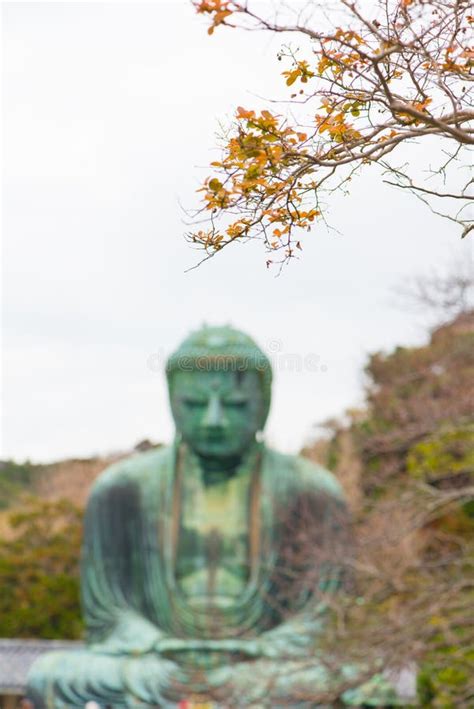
[219,383]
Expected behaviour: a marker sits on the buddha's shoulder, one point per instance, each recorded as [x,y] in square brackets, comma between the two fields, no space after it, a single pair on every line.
[135,469]
[303,473]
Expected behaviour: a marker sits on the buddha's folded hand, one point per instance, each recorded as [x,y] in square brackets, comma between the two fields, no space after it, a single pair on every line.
[169,646]
[133,634]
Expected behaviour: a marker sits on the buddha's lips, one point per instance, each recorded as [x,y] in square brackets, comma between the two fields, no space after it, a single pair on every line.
[217,437]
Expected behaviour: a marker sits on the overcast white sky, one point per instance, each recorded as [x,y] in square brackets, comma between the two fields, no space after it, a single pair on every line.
[109,114]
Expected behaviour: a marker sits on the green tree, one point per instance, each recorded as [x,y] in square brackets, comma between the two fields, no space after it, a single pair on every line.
[15,478]
[39,572]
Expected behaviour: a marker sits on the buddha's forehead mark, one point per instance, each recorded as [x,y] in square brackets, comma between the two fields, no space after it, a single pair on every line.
[215,383]
[239,377]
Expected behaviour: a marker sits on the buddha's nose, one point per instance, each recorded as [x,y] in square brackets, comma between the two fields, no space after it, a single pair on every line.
[214,416]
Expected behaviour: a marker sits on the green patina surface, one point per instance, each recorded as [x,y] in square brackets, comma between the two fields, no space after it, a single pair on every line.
[205,564]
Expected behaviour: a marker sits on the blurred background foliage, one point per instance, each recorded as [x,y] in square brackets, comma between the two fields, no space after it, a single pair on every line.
[41,511]
[406,461]
[39,571]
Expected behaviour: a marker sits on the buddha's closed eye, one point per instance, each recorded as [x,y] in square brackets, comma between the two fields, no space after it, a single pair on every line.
[236,403]
[194,403]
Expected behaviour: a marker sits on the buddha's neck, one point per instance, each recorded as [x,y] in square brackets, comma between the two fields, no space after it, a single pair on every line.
[216,470]
[220,469]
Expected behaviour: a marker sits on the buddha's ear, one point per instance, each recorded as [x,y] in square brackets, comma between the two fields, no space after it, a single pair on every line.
[264,411]
[265,376]
[172,402]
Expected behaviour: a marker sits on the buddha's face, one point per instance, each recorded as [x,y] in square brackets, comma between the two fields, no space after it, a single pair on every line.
[217,412]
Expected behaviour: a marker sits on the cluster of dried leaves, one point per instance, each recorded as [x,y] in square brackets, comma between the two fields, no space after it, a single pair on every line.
[366,82]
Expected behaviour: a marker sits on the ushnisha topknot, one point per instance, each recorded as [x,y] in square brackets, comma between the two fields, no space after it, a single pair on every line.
[223,348]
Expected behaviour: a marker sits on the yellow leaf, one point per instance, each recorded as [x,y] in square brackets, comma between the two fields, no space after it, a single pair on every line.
[291,76]
[215,185]
[243,113]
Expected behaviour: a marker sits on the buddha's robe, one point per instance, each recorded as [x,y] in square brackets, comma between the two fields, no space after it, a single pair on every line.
[183,598]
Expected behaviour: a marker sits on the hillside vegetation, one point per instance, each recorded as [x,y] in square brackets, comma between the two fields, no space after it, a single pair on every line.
[407,464]
[41,511]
